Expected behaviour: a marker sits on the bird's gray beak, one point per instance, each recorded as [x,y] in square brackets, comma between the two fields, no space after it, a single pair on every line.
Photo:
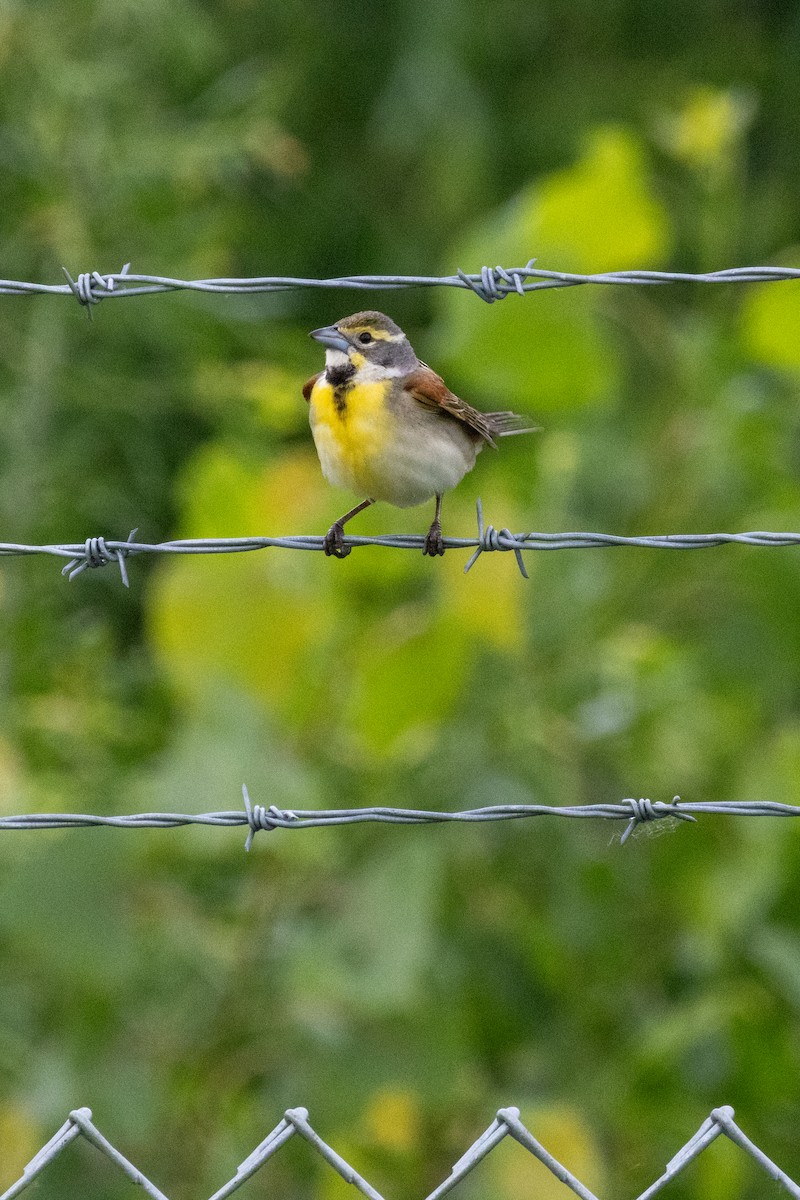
[329,336]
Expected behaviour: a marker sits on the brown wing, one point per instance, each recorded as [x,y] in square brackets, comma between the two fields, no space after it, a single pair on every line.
[308,386]
[430,389]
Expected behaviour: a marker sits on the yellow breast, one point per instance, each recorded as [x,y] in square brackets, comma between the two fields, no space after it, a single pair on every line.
[351,428]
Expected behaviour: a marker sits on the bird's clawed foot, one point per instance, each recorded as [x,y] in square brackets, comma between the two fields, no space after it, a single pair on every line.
[434,542]
[333,543]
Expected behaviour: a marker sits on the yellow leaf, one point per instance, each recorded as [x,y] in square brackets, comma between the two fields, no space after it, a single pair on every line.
[771,321]
[252,618]
[412,666]
[490,599]
[393,1120]
[601,214]
[547,351]
[19,1141]
[514,1172]
[708,129]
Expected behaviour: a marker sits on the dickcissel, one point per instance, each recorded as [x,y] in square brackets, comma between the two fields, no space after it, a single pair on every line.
[387,427]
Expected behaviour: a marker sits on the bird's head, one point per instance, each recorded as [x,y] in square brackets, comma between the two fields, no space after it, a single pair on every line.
[369,343]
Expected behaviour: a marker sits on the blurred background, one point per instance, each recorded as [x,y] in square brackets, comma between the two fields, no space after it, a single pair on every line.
[401,983]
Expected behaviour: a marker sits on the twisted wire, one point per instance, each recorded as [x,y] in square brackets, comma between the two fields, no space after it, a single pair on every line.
[295,1124]
[267,818]
[97,552]
[490,284]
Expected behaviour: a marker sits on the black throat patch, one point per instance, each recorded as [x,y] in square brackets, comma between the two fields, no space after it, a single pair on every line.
[341,380]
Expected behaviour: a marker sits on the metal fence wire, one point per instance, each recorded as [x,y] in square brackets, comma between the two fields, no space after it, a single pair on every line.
[258,817]
[295,1122]
[99,551]
[489,284]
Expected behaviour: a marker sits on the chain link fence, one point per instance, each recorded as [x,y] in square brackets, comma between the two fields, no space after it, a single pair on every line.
[295,1123]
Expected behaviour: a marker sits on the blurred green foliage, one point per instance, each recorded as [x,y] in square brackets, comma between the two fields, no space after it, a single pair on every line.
[400,982]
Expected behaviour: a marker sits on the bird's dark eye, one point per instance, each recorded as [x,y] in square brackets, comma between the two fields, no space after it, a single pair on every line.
[365,338]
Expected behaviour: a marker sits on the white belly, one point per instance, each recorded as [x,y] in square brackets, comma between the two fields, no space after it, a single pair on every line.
[424,461]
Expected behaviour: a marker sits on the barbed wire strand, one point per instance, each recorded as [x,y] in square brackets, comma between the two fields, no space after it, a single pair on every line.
[489,284]
[97,552]
[295,1122]
[261,818]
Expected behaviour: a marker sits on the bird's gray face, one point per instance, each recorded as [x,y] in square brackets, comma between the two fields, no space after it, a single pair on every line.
[369,343]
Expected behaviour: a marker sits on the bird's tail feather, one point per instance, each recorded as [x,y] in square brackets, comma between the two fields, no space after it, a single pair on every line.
[504,424]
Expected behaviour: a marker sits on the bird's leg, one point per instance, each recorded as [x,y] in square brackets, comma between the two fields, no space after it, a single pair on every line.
[334,538]
[434,543]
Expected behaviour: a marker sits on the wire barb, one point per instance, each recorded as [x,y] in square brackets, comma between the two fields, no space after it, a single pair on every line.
[495,283]
[645,810]
[259,817]
[82,288]
[490,539]
[96,553]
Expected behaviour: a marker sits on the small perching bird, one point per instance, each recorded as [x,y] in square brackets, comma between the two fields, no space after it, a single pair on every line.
[387,427]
